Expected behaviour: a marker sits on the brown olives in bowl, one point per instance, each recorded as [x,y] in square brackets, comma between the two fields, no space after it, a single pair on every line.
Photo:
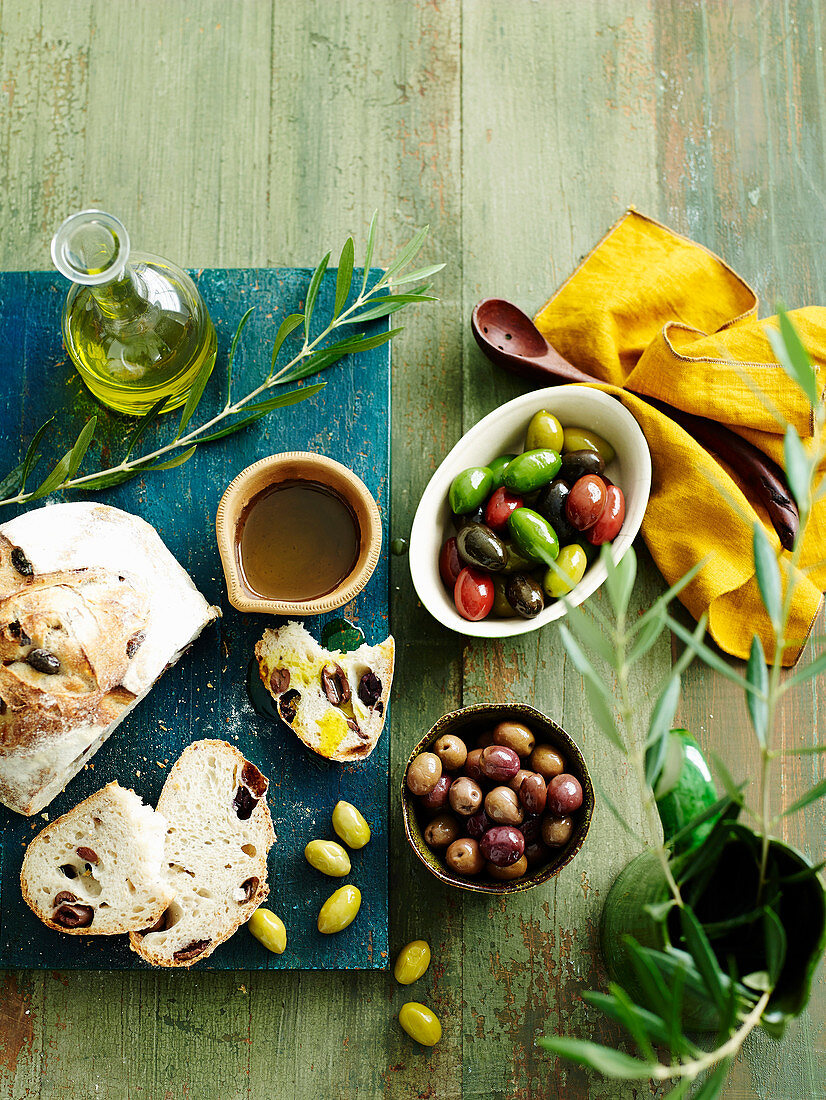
[501,829]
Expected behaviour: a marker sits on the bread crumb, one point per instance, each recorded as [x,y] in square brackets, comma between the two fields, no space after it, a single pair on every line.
[45,817]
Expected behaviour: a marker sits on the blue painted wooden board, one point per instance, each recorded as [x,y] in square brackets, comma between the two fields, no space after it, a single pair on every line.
[205,694]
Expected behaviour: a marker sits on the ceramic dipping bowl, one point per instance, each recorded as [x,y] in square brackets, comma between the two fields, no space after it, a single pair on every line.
[287,467]
[468,724]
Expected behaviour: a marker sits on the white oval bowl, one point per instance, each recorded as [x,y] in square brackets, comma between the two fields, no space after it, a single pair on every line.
[501,432]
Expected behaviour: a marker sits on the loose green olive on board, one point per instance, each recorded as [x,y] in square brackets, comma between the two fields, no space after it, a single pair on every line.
[420,1023]
[339,910]
[532,470]
[269,930]
[350,825]
[583,439]
[544,430]
[534,535]
[469,489]
[566,572]
[478,545]
[497,469]
[328,857]
[412,962]
[524,595]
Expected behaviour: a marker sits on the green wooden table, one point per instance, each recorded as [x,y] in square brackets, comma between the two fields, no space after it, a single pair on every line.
[261,132]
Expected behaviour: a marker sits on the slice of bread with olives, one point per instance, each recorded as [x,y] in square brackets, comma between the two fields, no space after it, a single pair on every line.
[335,702]
[219,833]
[97,870]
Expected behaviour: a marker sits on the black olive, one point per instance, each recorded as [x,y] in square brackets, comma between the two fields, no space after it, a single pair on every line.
[279,680]
[69,871]
[288,705]
[21,563]
[524,595]
[134,644]
[370,689]
[244,803]
[575,464]
[249,886]
[477,545]
[73,916]
[551,506]
[43,661]
[478,516]
[336,685]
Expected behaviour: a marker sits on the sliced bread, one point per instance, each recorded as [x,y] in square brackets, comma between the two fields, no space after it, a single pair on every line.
[335,702]
[97,870]
[218,836]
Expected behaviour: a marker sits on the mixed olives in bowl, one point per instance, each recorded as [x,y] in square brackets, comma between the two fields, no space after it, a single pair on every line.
[515,516]
[496,798]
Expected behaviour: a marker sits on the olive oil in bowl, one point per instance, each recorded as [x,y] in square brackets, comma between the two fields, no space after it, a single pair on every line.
[297,540]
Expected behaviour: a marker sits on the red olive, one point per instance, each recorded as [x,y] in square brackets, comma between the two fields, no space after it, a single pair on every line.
[472,769]
[473,594]
[609,523]
[498,509]
[478,825]
[502,845]
[536,852]
[437,798]
[564,795]
[499,763]
[532,794]
[585,502]
[450,565]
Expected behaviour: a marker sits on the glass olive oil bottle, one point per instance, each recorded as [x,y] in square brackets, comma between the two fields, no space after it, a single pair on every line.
[134,325]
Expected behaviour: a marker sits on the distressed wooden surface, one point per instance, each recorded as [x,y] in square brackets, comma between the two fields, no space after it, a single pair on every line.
[258,133]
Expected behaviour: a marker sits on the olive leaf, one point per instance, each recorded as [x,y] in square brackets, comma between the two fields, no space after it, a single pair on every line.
[661,718]
[798,467]
[232,348]
[344,275]
[768,574]
[368,257]
[288,325]
[145,422]
[312,294]
[15,482]
[792,356]
[757,701]
[606,1060]
[68,466]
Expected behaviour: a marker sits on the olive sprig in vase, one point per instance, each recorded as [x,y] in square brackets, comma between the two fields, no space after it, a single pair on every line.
[314,354]
[720,928]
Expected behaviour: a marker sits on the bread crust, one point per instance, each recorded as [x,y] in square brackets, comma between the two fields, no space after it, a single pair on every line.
[102,594]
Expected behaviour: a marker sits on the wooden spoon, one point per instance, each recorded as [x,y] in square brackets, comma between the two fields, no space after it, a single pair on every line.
[511,340]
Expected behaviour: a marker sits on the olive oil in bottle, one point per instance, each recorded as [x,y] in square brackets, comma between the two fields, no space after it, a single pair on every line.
[134,325]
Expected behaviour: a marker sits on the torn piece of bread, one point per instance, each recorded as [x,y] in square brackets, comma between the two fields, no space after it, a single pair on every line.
[218,836]
[335,702]
[97,870]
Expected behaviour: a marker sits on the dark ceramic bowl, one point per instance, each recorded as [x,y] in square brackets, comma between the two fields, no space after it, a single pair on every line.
[470,722]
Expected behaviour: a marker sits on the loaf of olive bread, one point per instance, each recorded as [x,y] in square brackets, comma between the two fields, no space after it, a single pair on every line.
[97,870]
[219,833]
[335,702]
[93,609]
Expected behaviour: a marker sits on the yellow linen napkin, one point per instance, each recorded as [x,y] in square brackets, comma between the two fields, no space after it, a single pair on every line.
[652,312]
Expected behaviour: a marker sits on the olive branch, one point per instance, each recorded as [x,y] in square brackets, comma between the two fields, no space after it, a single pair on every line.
[371,303]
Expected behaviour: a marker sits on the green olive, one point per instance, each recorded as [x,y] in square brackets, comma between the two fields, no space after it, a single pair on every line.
[515,560]
[566,572]
[413,961]
[328,857]
[544,430]
[501,607]
[420,1023]
[497,468]
[534,535]
[269,929]
[532,470]
[583,439]
[339,910]
[469,489]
